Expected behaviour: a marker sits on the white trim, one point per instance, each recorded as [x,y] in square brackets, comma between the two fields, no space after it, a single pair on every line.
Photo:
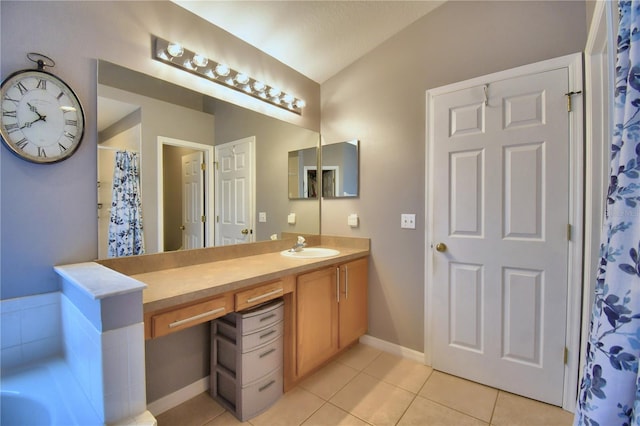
[208,151]
[573,63]
[392,348]
[176,398]
[599,64]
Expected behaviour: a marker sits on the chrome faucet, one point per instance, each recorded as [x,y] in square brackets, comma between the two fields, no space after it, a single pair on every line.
[299,245]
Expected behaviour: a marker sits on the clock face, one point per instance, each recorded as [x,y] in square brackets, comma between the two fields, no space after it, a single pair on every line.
[42,120]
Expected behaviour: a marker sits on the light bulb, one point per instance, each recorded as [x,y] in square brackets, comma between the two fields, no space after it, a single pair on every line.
[188,64]
[222,70]
[259,86]
[200,60]
[242,78]
[175,50]
[287,98]
[273,92]
[300,103]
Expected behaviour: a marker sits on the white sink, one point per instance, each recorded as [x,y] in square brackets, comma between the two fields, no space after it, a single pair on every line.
[311,253]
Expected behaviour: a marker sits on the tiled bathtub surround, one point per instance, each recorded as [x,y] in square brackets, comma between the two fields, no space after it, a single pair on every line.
[104,338]
[96,324]
[31,329]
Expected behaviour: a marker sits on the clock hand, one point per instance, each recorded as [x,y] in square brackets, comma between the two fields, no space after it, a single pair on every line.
[29,123]
[40,116]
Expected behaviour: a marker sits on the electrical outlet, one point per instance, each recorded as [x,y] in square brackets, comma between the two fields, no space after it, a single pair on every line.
[408,221]
[262,217]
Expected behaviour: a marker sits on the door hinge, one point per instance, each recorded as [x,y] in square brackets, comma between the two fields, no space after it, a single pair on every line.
[203,166]
[568,232]
[569,95]
[566,355]
[215,163]
[217,219]
[203,218]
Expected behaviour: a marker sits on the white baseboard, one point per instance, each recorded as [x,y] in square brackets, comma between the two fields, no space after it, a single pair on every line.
[392,348]
[178,397]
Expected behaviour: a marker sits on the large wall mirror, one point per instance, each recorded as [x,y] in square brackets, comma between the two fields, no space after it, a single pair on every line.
[340,169]
[239,196]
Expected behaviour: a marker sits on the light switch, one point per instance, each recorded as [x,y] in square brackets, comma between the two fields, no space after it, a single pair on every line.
[352,220]
[408,221]
[291,219]
[262,217]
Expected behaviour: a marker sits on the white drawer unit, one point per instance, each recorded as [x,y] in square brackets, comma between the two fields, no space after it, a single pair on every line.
[247,359]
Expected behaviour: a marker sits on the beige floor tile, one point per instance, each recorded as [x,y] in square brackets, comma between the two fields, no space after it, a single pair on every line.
[292,409]
[329,380]
[329,414]
[226,419]
[359,356]
[514,410]
[372,400]
[424,412]
[194,412]
[404,373]
[462,395]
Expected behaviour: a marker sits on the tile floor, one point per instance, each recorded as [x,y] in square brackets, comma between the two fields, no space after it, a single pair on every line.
[366,386]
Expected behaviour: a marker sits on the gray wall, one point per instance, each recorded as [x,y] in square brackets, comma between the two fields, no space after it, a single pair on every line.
[48,212]
[381,100]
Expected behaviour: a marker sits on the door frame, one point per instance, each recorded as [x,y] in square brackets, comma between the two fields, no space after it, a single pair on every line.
[573,63]
[599,57]
[208,185]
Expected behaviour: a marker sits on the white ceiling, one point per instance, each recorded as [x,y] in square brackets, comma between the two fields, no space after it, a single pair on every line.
[316,38]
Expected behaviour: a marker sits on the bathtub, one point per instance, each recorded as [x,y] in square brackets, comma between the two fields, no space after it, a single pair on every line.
[45,393]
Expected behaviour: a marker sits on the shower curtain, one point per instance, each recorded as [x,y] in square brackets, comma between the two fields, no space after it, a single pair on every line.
[125,226]
[610,389]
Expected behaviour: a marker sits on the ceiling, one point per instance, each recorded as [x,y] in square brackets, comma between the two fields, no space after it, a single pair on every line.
[316,38]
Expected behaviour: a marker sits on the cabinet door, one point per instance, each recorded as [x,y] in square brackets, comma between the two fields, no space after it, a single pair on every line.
[317,314]
[353,301]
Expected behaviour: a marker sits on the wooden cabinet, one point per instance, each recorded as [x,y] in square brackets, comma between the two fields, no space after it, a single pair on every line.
[331,312]
[353,302]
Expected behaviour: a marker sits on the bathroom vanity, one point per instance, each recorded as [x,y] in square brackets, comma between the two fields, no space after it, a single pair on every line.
[325,298]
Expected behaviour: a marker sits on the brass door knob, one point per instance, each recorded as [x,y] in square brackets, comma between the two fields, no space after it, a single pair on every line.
[441,247]
[244,231]
[182,228]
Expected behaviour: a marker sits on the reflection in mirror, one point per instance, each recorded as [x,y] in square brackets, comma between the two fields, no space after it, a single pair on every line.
[303,170]
[340,172]
[174,130]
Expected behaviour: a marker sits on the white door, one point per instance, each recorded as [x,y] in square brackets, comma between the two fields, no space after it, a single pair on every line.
[501,211]
[235,191]
[192,201]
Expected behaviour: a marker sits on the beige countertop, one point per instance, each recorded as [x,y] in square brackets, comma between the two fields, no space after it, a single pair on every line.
[176,286]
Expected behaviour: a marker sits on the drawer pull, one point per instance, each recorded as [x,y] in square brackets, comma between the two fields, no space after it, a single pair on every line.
[267,352]
[262,336]
[267,317]
[268,385]
[262,296]
[195,317]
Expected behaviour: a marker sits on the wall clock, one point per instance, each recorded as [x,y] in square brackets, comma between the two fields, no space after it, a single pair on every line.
[42,119]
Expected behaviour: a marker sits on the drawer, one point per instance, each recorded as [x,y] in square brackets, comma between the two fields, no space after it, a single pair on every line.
[253,340]
[248,341]
[188,316]
[249,401]
[257,295]
[261,395]
[250,366]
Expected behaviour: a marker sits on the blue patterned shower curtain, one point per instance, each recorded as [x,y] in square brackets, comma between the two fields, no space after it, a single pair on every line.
[610,389]
[125,226]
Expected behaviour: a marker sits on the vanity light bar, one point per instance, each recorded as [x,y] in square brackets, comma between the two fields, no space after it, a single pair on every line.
[187,60]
